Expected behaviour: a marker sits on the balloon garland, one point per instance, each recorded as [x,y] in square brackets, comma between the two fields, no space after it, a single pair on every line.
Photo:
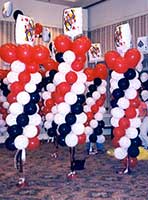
[125,102]
[23,119]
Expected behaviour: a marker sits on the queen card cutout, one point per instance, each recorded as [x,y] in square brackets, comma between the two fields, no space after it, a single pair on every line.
[94,53]
[123,38]
[24,30]
[72,19]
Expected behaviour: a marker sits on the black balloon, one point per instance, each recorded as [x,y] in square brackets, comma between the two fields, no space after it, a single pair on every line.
[101,124]
[93,138]
[92,88]
[16,13]
[34,97]
[136,141]
[52,74]
[64,129]
[118,93]
[77,108]
[113,103]
[89,94]
[81,98]
[97,81]
[51,132]
[123,83]
[59,57]
[70,118]
[30,108]
[133,151]
[15,130]
[130,74]
[22,119]
[98,131]
[61,140]
[9,143]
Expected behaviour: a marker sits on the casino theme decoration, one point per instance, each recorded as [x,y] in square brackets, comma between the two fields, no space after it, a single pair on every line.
[72,20]
[124,86]
[94,53]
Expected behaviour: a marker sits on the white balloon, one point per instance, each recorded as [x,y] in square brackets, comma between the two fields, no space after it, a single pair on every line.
[124,142]
[78,128]
[88,130]
[90,101]
[63,108]
[101,89]
[59,78]
[11,119]
[114,84]
[131,132]
[123,103]
[50,87]
[6,105]
[36,78]
[23,97]
[114,122]
[78,88]
[86,108]
[12,77]
[35,119]
[102,110]
[144,77]
[144,95]
[17,66]
[116,75]
[21,142]
[81,118]
[71,140]
[30,131]
[130,93]
[54,109]
[93,123]
[46,95]
[120,153]
[69,56]
[135,122]
[59,118]
[16,108]
[5,81]
[70,98]
[30,87]
[96,95]
[100,139]
[98,116]
[49,117]
[82,78]
[135,83]
[3,98]
[47,124]
[117,112]
[64,68]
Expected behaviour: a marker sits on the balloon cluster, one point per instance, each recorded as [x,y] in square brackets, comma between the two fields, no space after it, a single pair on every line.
[65,92]
[125,102]
[94,106]
[23,79]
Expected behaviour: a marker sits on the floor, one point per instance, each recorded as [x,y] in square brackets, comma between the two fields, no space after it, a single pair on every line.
[47,176]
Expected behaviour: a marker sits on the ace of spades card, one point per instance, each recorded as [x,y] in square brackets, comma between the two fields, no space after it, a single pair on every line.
[142,44]
[24,30]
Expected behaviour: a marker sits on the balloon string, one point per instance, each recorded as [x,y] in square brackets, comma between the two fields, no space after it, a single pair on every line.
[18,163]
[72,157]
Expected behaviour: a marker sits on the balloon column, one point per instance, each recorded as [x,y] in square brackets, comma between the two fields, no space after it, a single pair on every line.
[23,119]
[94,107]
[125,102]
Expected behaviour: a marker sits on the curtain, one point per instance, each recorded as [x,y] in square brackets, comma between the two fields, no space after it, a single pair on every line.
[105,35]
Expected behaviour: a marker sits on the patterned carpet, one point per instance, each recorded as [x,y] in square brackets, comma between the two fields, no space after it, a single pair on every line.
[47,177]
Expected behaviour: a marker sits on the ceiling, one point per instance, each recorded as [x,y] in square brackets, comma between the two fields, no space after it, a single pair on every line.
[74,3]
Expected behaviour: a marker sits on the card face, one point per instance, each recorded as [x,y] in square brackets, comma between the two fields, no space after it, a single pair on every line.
[72,20]
[123,38]
[24,30]
[94,53]
[142,44]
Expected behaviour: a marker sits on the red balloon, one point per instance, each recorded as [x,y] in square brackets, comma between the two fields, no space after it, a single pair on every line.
[110,58]
[90,116]
[38,28]
[89,72]
[8,52]
[50,64]
[77,65]
[81,45]
[101,100]
[124,123]
[62,43]
[130,112]
[3,73]
[46,110]
[11,98]
[132,57]
[135,102]
[25,53]
[81,58]
[41,54]
[58,98]
[34,143]
[132,162]
[63,88]
[16,87]
[100,71]
[118,132]
[94,108]
[115,142]
[32,67]
[120,65]
[71,77]
[82,138]
[24,77]
[49,102]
